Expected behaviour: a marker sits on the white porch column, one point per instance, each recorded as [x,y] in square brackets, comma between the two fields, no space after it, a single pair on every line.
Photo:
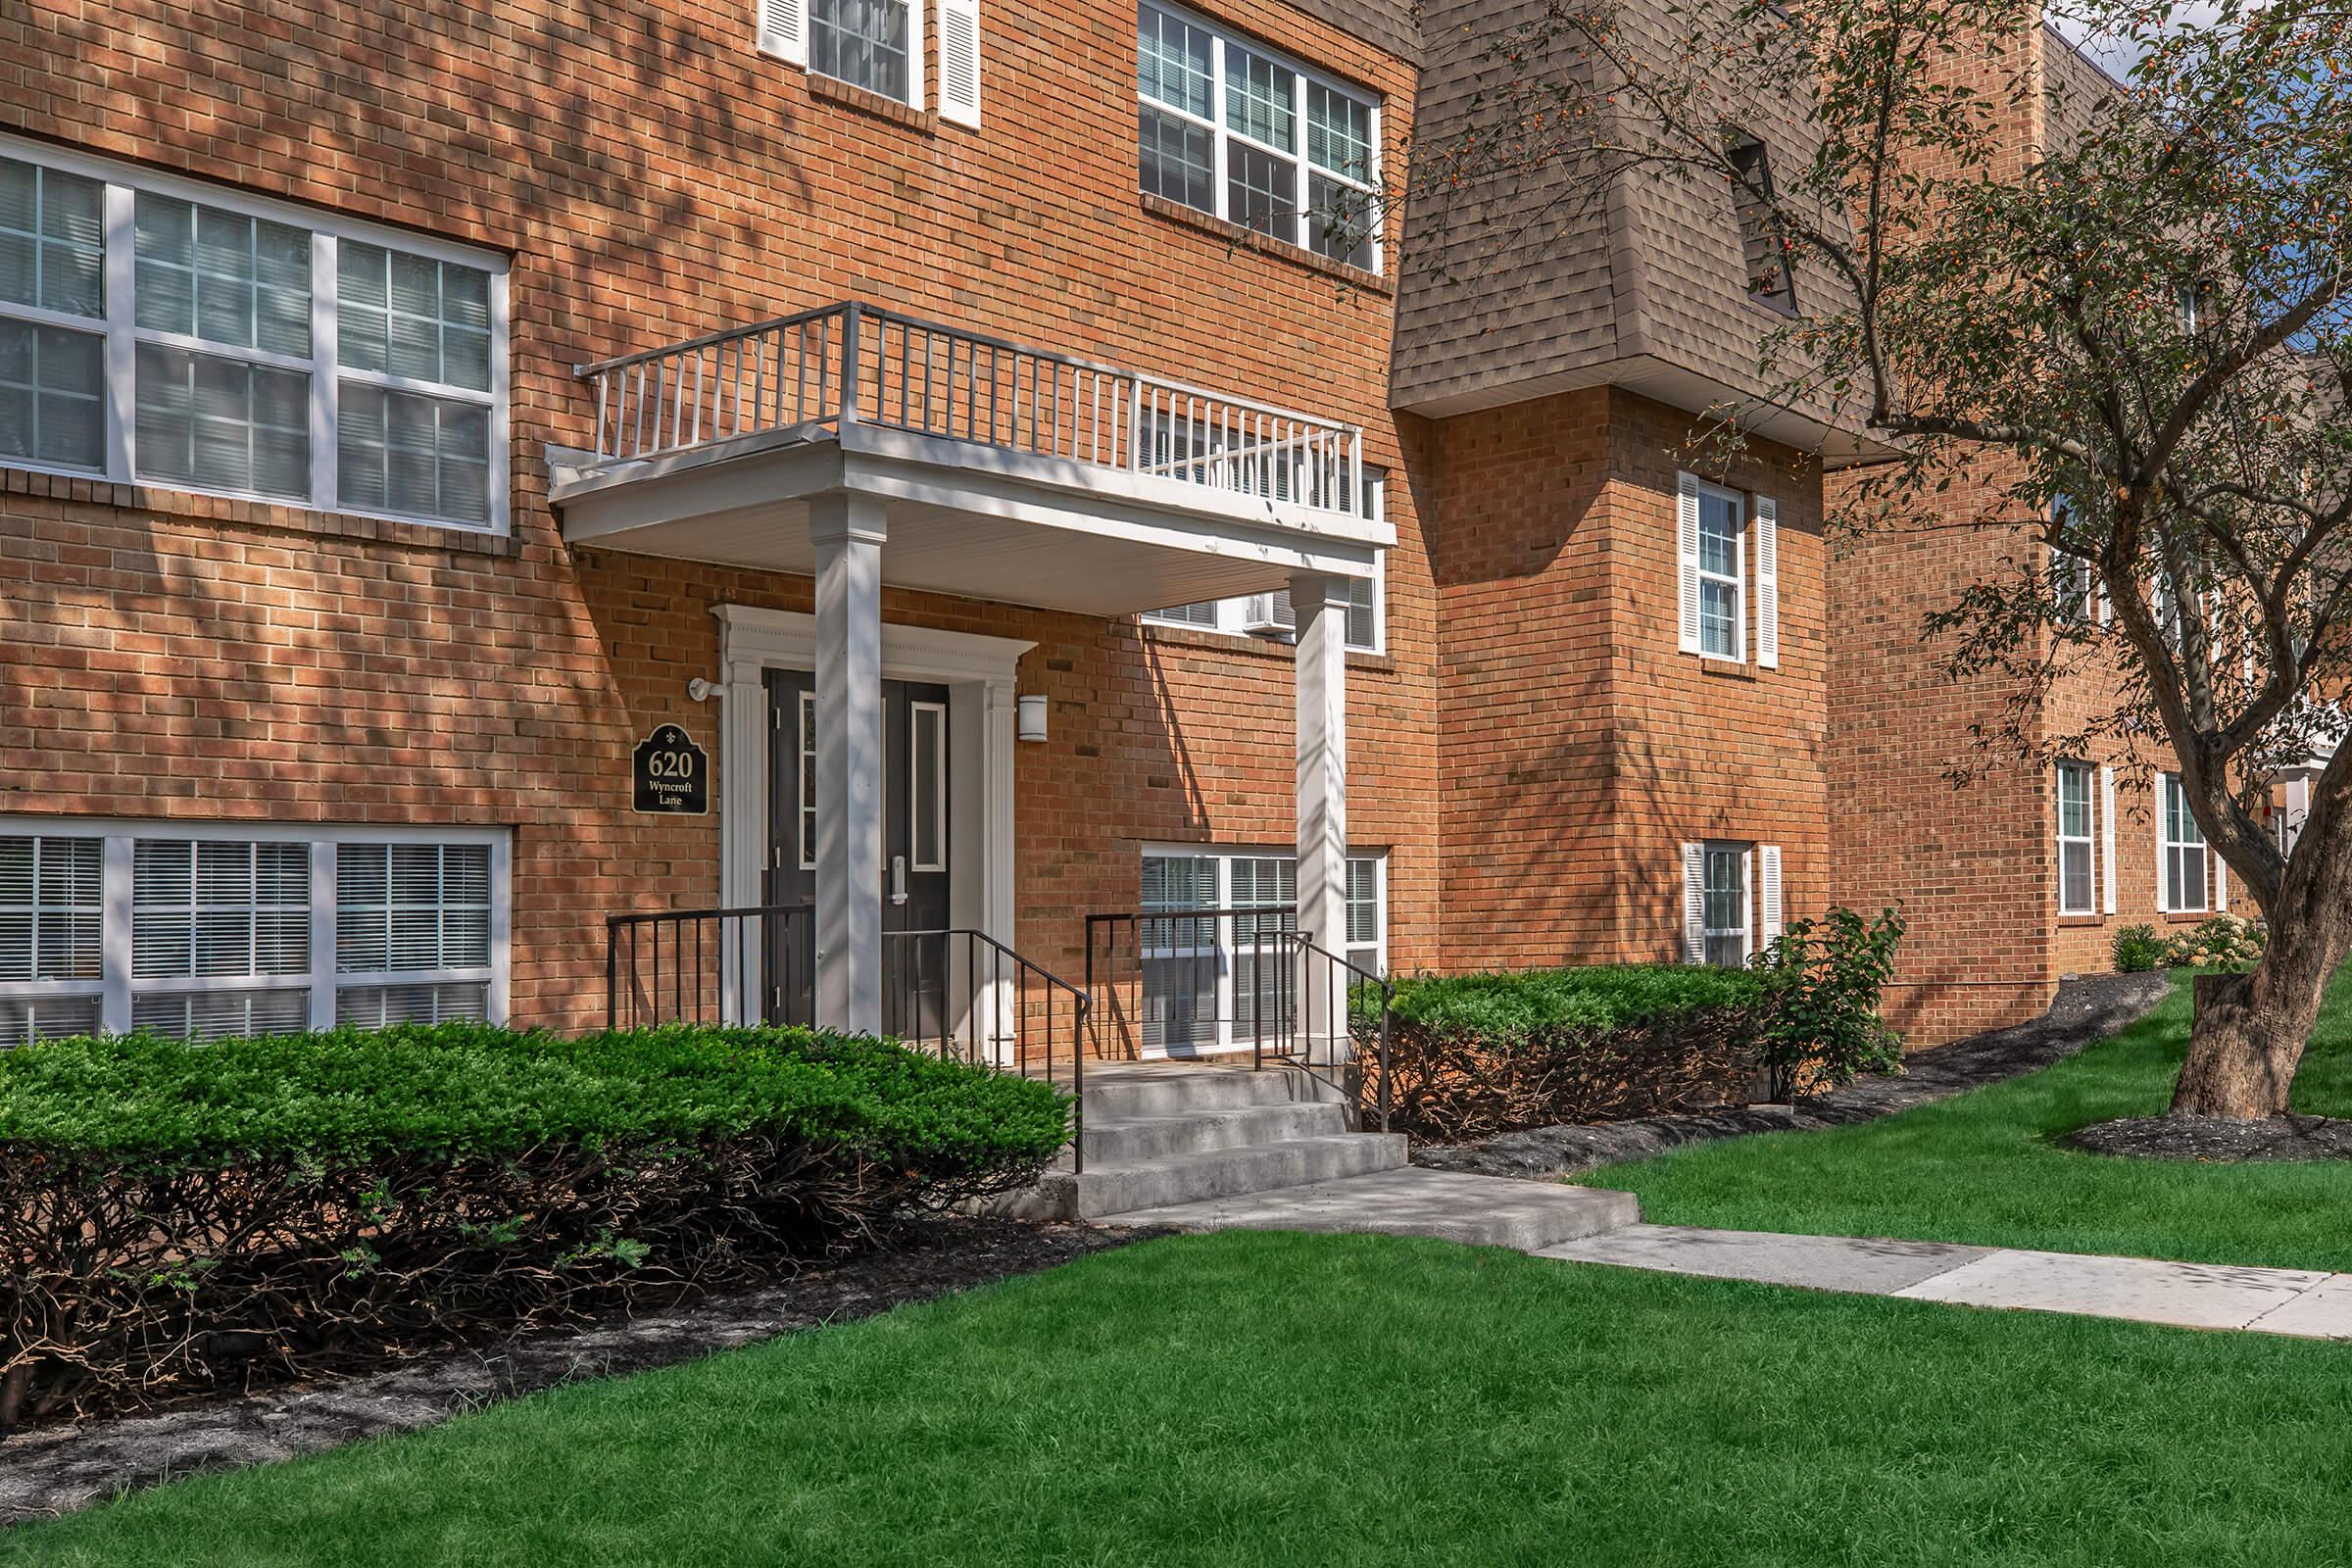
[1320,604]
[846,532]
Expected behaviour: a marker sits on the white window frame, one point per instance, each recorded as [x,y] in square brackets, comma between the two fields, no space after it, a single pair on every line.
[1739,574]
[1222,137]
[1746,929]
[2168,847]
[1224,949]
[122,335]
[2087,839]
[120,835]
[915,48]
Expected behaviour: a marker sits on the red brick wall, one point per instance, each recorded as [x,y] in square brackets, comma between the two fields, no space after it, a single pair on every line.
[1578,747]
[652,177]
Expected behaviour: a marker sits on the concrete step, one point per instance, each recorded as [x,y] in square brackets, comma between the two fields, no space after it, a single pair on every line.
[1124,1093]
[1118,1140]
[1119,1185]
[1448,1205]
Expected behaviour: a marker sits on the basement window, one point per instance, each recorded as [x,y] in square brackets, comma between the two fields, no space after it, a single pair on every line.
[1770,275]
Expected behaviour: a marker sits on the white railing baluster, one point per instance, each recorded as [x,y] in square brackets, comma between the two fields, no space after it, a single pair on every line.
[1048,405]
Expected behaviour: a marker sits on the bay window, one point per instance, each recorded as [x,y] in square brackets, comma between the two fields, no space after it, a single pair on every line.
[1229,129]
[157,331]
[206,931]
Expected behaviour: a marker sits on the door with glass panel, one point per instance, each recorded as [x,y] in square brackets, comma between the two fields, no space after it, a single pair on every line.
[915,781]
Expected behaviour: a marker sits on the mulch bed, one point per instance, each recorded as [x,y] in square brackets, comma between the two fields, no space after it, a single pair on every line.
[50,1470]
[2086,1008]
[2217,1141]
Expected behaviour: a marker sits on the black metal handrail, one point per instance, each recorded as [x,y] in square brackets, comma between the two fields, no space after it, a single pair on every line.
[971,998]
[722,965]
[959,993]
[1176,973]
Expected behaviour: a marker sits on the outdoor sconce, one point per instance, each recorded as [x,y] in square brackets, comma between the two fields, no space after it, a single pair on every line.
[1031,716]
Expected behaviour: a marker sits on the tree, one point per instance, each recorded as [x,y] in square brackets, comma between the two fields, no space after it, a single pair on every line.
[2130,345]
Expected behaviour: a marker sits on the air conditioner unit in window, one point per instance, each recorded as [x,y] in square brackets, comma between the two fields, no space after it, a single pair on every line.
[1269,615]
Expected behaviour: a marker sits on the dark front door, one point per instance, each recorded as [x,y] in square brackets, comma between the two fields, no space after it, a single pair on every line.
[914,851]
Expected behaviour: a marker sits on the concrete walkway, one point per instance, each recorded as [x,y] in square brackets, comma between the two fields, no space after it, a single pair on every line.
[2303,1303]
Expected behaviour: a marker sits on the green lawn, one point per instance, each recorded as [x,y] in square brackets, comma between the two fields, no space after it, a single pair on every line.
[1985,1167]
[1290,1399]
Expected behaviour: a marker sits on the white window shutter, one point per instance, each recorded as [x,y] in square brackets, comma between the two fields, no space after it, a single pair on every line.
[783,29]
[2107,833]
[1695,904]
[1768,583]
[960,61]
[2164,897]
[1769,857]
[1687,554]
[2221,884]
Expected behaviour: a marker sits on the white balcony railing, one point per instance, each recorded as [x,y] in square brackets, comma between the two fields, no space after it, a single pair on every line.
[855,363]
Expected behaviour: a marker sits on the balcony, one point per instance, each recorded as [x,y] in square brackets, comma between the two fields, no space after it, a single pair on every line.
[1001,471]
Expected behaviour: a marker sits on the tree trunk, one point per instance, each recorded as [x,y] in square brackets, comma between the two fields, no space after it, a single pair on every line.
[2249,1031]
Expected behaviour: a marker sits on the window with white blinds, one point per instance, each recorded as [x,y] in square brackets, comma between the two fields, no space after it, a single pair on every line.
[156,330]
[51,906]
[247,929]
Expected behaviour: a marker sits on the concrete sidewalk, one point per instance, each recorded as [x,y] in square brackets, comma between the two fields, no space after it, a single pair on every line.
[2303,1303]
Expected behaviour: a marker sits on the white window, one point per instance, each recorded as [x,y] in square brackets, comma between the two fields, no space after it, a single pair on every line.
[226,929]
[2181,860]
[164,332]
[2074,579]
[52,902]
[1209,979]
[874,44]
[1237,131]
[1273,615]
[1725,893]
[1722,574]
[878,45]
[1711,532]
[2076,874]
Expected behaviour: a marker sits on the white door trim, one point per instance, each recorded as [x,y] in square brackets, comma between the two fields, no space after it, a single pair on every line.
[979,674]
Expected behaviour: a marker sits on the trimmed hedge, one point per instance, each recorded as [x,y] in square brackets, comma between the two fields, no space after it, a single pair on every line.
[1475,1054]
[177,1218]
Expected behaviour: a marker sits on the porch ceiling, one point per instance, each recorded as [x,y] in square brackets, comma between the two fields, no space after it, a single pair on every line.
[963,519]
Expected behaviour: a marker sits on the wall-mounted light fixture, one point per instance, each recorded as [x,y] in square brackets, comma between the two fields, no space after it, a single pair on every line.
[700,690]
[1031,713]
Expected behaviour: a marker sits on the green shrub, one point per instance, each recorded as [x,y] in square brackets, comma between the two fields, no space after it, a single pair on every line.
[1523,1005]
[2138,949]
[464,1089]
[1475,1054]
[1821,1025]
[176,1217]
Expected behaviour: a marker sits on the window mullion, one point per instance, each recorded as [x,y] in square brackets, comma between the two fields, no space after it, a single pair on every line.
[122,338]
[1216,113]
[116,888]
[324,490]
[1300,174]
[323,934]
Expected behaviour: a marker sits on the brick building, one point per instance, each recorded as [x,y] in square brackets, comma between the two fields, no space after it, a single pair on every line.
[465,474]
